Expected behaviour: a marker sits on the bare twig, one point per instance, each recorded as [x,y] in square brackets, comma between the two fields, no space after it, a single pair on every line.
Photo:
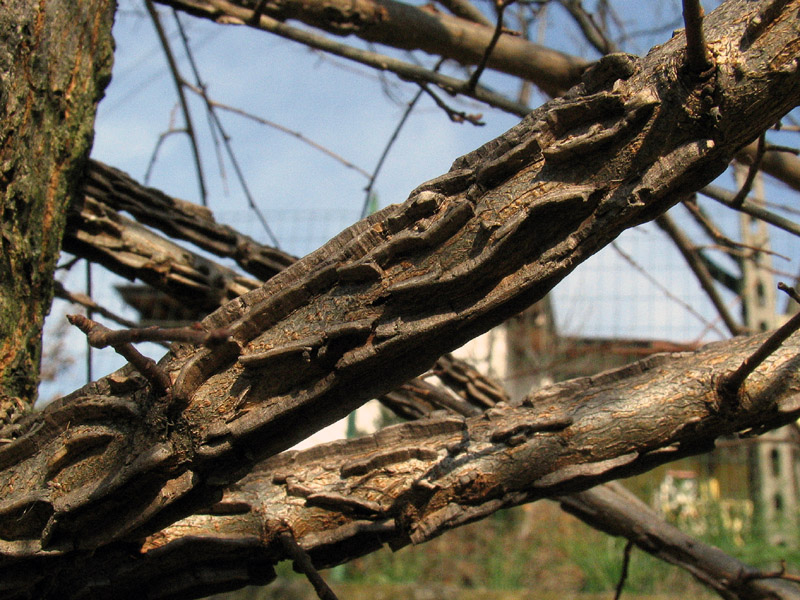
[456,116]
[780,573]
[779,148]
[382,62]
[751,173]
[591,31]
[155,375]
[302,563]
[154,156]
[385,153]
[751,208]
[623,576]
[730,384]
[498,30]
[82,299]
[697,57]
[724,242]
[225,138]
[101,338]
[281,128]
[664,290]
[700,271]
[176,76]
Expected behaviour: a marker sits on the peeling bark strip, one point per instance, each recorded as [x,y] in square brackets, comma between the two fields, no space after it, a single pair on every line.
[639,141]
[411,482]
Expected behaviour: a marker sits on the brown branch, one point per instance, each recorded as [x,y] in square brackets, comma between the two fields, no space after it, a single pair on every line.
[697,56]
[731,384]
[178,79]
[181,220]
[744,191]
[303,564]
[101,337]
[623,576]
[401,26]
[699,269]
[750,207]
[96,333]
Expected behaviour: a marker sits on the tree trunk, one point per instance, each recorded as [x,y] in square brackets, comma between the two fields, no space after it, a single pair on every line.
[55,60]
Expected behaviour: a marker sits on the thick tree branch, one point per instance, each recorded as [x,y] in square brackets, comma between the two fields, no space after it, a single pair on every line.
[411,482]
[382,300]
[409,28]
[181,220]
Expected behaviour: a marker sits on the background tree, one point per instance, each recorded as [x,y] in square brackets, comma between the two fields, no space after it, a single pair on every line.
[171,480]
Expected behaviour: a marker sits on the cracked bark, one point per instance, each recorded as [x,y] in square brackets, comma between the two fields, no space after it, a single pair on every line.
[113,462]
[408,483]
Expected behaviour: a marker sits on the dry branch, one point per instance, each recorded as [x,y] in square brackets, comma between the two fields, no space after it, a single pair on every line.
[407,27]
[408,483]
[110,464]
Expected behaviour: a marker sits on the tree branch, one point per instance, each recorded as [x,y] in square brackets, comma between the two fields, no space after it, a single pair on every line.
[405,27]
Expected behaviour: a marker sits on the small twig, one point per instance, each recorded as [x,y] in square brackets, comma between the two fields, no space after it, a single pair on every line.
[697,56]
[780,573]
[82,299]
[176,76]
[281,128]
[623,576]
[155,375]
[498,31]
[750,208]
[699,269]
[101,338]
[723,241]
[385,153]
[225,139]
[591,31]
[730,384]
[751,173]
[664,290]
[456,116]
[382,62]
[779,148]
[160,142]
[302,563]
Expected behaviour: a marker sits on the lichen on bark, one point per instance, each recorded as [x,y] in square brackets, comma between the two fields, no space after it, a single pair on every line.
[55,61]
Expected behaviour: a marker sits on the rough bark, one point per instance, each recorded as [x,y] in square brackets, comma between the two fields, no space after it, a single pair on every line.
[407,27]
[55,60]
[608,508]
[411,482]
[114,461]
